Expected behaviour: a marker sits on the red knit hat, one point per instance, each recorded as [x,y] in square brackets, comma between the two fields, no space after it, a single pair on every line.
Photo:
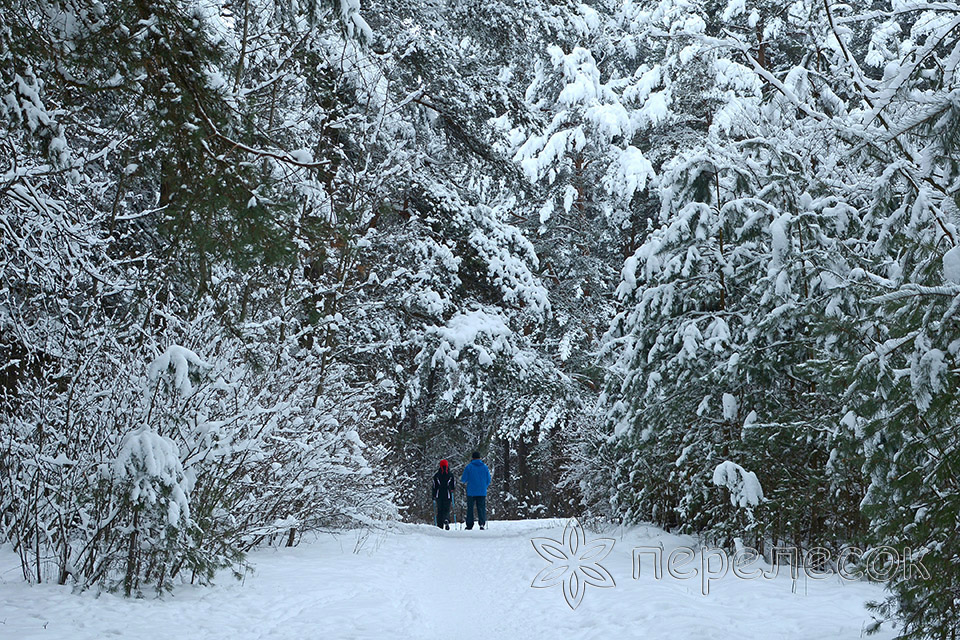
[444,465]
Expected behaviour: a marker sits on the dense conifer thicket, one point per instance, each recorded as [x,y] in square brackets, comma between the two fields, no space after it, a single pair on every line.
[264,262]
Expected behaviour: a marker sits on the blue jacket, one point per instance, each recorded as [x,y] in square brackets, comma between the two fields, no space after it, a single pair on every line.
[476,475]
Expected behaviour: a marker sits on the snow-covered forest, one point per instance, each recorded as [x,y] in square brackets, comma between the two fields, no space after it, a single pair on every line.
[694,263]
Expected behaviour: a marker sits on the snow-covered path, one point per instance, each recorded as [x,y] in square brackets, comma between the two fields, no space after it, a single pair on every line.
[418,582]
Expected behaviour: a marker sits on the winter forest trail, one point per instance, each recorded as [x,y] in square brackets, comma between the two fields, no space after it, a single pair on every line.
[416,581]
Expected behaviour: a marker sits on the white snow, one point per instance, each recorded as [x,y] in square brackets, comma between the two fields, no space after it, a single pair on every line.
[629,173]
[150,464]
[780,241]
[730,407]
[356,25]
[734,9]
[180,358]
[546,211]
[469,330]
[745,490]
[417,582]
[926,376]
[951,266]
[737,77]
[656,109]
[569,195]
[303,156]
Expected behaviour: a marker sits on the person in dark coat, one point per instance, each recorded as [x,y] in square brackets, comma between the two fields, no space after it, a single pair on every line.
[443,485]
[477,477]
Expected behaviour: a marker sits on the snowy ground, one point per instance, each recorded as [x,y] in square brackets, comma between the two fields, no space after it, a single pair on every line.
[418,582]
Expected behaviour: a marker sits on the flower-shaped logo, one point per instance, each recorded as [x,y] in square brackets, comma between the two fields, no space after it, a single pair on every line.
[574,563]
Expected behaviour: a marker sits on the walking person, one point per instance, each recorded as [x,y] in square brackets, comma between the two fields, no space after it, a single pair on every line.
[443,485]
[476,475]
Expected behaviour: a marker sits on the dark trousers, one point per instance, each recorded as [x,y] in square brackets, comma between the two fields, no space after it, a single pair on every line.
[481,502]
[443,511]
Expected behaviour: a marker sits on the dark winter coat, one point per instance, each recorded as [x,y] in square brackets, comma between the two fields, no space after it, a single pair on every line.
[477,476]
[443,485]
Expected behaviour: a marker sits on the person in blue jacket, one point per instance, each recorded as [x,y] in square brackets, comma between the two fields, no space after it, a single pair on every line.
[476,476]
